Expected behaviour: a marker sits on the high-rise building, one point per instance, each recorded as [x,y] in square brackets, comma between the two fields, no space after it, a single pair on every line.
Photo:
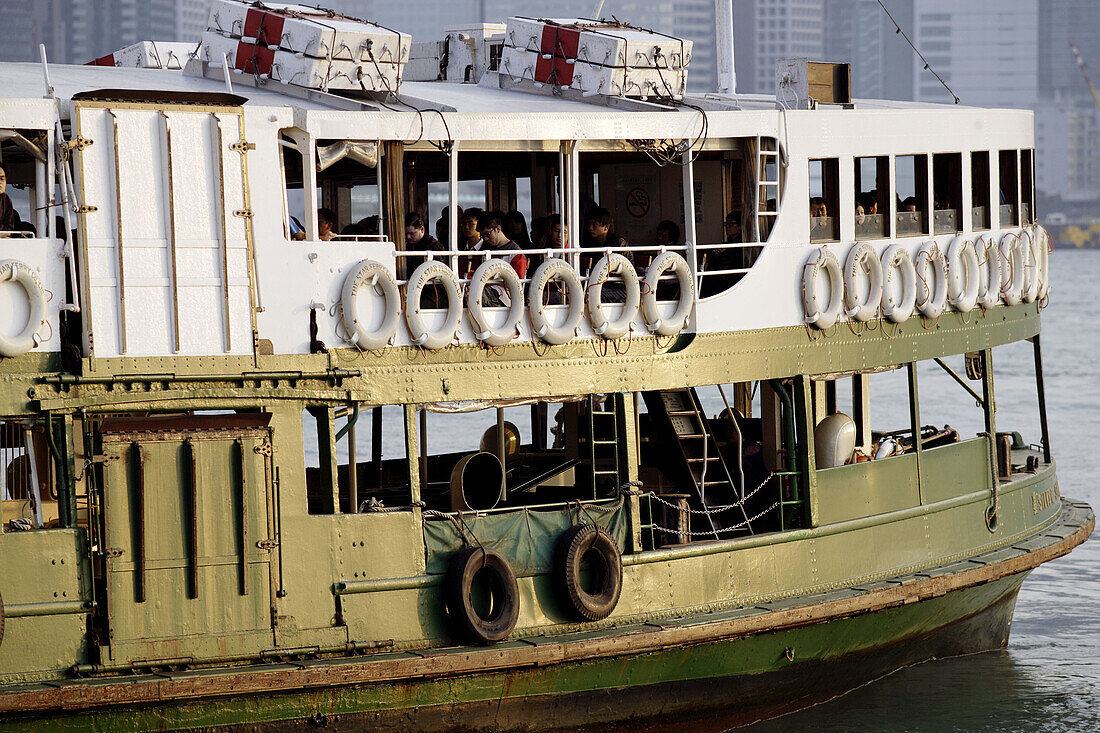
[767,30]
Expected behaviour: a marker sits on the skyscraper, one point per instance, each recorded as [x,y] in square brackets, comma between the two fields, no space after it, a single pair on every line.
[767,30]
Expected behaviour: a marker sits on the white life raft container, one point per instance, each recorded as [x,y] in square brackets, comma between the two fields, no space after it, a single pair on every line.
[486,272]
[612,264]
[822,260]
[961,267]
[989,271]
[665,262]
[899,284]
[931,280]
[424,275]
[374,275]
[555,270]
[1012,268]
[862,283]
[27,339]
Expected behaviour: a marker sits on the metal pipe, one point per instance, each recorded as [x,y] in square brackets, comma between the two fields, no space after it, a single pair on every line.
[72,379]
[1042,395]
[962,383]
[501,452]
[353,465]
[47,608]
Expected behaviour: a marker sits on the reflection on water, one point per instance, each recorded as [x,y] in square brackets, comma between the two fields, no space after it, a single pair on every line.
[1049,677]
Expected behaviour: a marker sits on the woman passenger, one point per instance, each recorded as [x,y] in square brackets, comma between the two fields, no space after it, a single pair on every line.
[9,217]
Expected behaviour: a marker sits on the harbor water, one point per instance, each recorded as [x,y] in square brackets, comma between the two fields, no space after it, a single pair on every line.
[1048,679]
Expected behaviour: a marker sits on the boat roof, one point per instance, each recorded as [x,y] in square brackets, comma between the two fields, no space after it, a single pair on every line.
[25,81]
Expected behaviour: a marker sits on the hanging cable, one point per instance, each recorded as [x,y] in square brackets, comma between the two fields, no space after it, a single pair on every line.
[927,66]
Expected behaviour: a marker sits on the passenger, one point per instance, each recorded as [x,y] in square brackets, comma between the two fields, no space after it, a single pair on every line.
[9,217]
[538,230]
[599,228]
[493,237]
[724,258]
[370,224]
[468,235]
[441,224]
[861,215]
[297,231]
[668,233]
[551,236]
[326,224]
[352,230]
[515,226]
[416,238]
[818,207]
[909,204]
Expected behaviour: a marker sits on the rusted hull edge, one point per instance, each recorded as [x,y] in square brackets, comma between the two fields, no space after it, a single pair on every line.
[401,686]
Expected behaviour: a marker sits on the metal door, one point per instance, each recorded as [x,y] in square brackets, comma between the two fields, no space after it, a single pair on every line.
[187,508]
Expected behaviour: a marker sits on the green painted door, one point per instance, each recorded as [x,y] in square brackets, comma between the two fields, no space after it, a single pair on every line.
[188,537]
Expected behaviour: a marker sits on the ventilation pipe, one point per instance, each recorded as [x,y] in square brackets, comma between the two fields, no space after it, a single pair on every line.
[723,36]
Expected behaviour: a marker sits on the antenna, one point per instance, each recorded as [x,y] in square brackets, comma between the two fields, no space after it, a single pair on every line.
[597,10]
[927,66]
[723,36]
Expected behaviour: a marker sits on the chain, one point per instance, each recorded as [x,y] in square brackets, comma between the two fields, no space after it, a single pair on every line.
[712,532]
[714,509]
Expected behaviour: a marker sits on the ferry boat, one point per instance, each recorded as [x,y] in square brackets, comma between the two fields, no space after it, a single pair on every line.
[260,473]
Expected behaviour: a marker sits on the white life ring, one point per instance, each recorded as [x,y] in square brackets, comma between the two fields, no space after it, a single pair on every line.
[372,274]
[28,338]
[931,280]
[1033,262]
[1012,268]
[989,272]
[822,259]
[673,324]
[899,284]
[1044,262]
[487,271]
[550,270]
[423,276]
[962,275]
[612,264]
[862,266]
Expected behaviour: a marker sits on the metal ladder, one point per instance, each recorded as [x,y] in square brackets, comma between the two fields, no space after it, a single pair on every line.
[698,449]
[765,186]
[603,445]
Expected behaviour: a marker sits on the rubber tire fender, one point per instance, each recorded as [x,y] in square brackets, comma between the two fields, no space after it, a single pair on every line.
[571,548]
[461,570]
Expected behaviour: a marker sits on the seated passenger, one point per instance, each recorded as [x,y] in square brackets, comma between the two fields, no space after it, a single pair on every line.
[468,235]
[668,233]
[515,226]
[370,224]
[9,217]
[297,231]
[493,237]
[326,224]
[599,228]
[725,258]
[909,204]
[818,207]
[352,230]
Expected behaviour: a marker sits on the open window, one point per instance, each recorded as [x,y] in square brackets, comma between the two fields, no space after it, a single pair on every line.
[911,176]
[947,193]
[1010,188]
[1027,187]
[28,493]
[825,200]
[872,202]
[23,168]
[979,190]
[348,179]
[355,458]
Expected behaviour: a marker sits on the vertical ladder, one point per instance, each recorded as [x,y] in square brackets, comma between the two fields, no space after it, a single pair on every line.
[603,445]
[713,484]
[766,188]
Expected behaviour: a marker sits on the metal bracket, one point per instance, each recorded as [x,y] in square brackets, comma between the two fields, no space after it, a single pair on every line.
[267,544]
[242,146]
[263,449]
[79,143]
[85,209]
[112,552]
[243,213]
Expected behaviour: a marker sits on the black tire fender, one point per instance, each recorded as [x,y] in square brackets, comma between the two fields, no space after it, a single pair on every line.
[465,565]
[588,542]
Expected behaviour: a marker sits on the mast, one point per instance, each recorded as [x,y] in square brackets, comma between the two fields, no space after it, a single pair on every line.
[723,38]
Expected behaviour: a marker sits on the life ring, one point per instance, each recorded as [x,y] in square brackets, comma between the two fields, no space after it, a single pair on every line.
[551,270]
[422,276]
[961,267]
[661,264]
[1044,262]
[931,280]
[822,259]
[862,266]
[487,271]
[899,284]
[28,338]
[593,544]
[1012,268]
[989,283]
[501,581]
[373,274]
[1033,260]
[612,264]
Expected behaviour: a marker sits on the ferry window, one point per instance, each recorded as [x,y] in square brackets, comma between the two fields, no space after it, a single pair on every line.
[22,163]
[824,200]
[1027,187]
[1010,187]
[911,174]
[979,190]
[947,193]
[372,439]
[872,204]
[29,498]
[744,183]
[347,175]
[627,192]
[294,198]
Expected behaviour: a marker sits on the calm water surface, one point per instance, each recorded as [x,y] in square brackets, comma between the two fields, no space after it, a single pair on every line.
[1048,679]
